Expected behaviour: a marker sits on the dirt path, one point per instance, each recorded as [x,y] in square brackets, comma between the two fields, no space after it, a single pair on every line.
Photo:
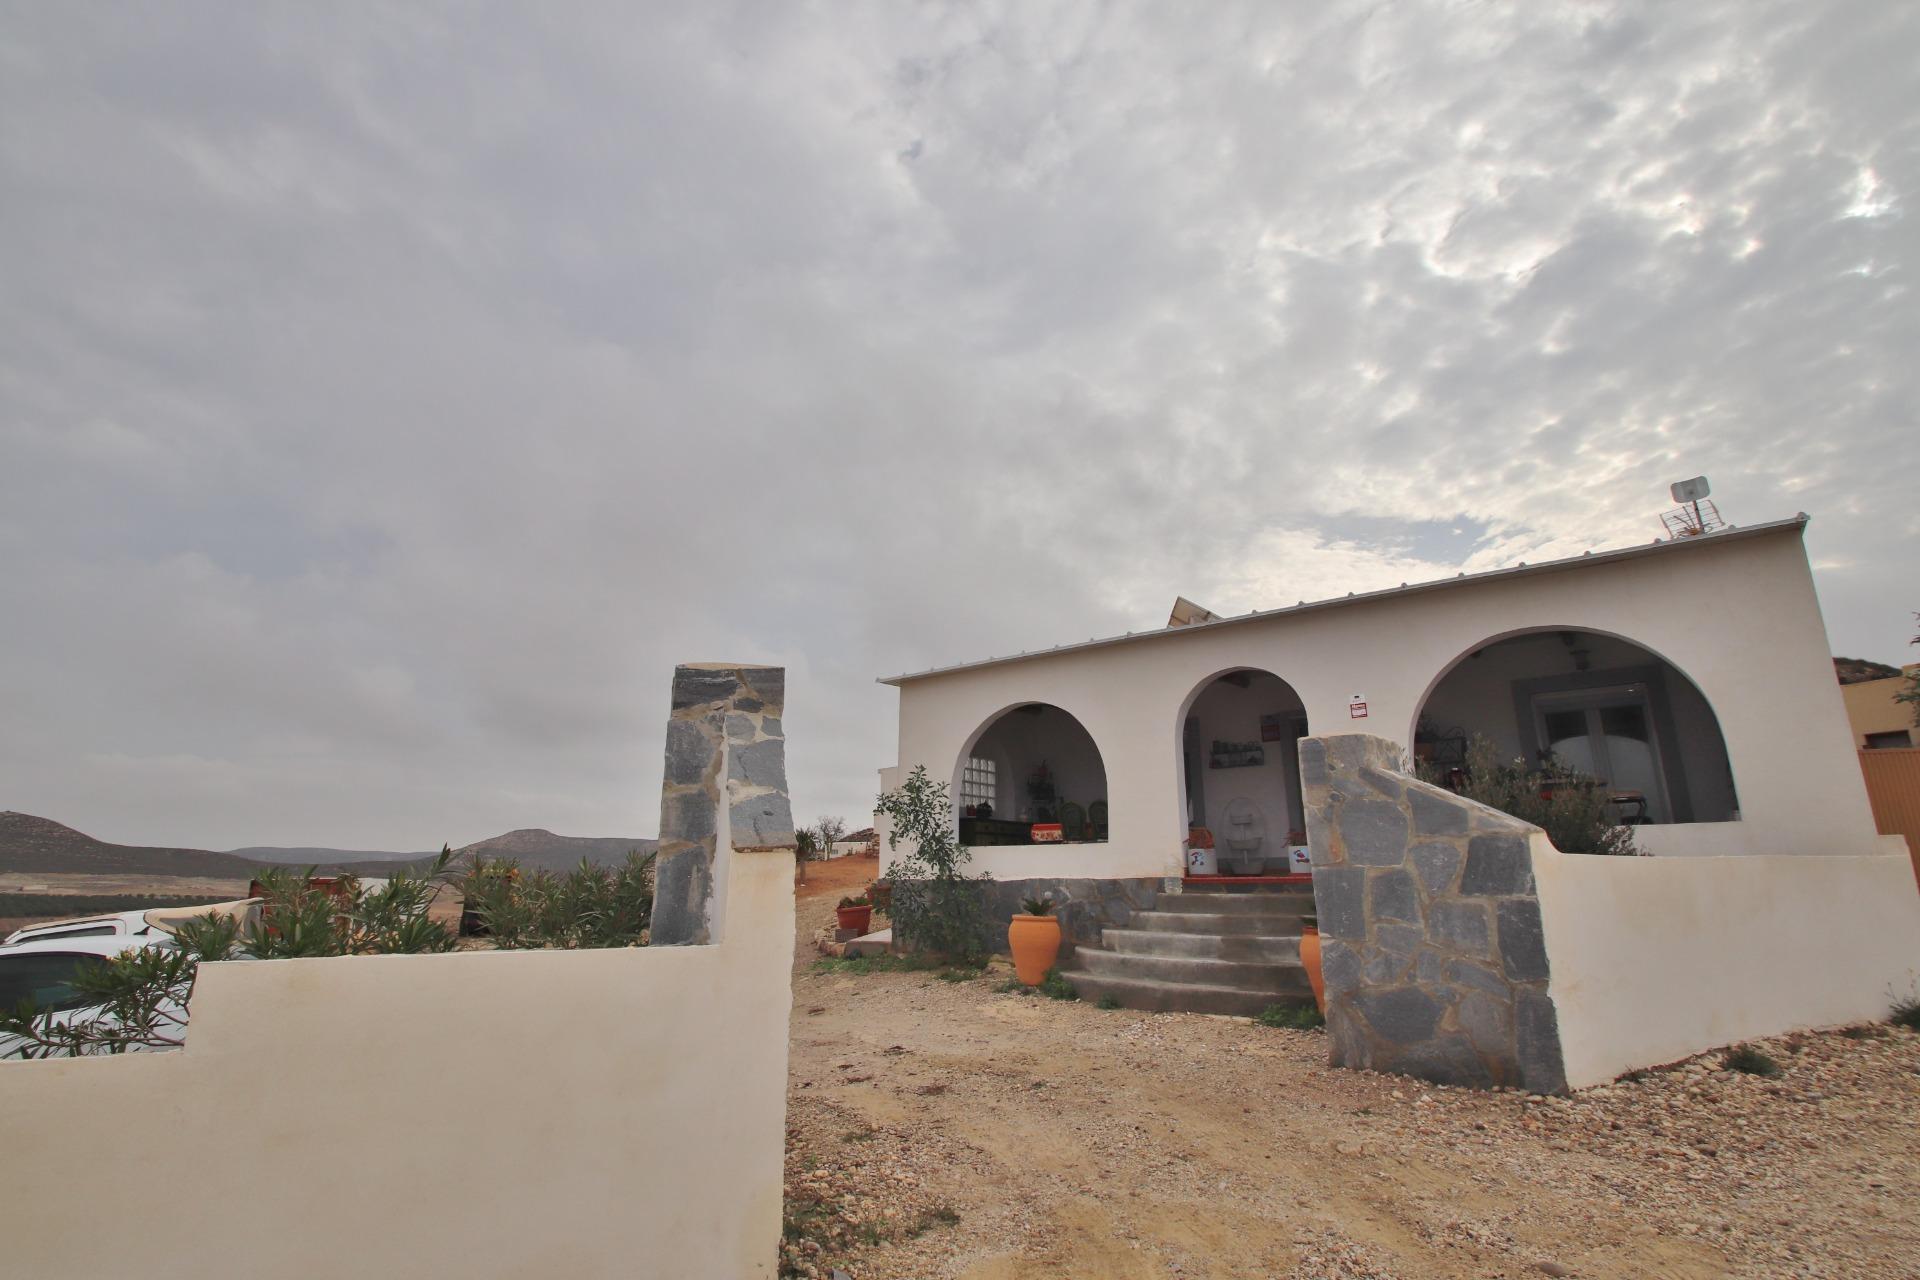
[947,1129]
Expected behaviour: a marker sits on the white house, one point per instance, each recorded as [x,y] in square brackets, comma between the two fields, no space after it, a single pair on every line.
[1693,675]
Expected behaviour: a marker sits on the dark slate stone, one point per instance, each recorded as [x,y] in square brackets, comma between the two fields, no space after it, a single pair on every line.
[1403,1015]
[1461,926]
[1391,896]
[1383,968]
[1401,939]
[1339,966]
[759,764]
[1313,762]
[770,683]
[1346,1038]
[747,702]
[1487,1023]
[770,725]
[682,883]
[1339,896]
[1543,1069]
[1429,968]
[1446,1059]
[740,728]
[1465,973]
[1436,861]
[1374,832]
[1436,812]
[1498,865]
[1523,944]
[690,753]
[687,815]
[1387,784]
[692,688]
[761,821]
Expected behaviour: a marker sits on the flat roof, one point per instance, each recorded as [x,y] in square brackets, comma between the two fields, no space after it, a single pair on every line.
[1659,546]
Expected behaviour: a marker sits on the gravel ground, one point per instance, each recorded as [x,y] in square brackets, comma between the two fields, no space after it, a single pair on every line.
[949,1129]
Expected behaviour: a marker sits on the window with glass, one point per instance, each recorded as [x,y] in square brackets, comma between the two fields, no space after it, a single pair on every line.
[980,782]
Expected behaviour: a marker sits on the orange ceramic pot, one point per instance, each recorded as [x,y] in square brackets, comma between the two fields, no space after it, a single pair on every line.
[1035,943]
[1310,961]
[858,919]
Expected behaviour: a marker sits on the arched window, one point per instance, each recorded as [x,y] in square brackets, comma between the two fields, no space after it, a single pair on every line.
[1240,769]
[1031,769]
[1596,702]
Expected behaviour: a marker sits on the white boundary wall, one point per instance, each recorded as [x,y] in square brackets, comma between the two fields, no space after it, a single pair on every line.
[1656,959]
[616,1113]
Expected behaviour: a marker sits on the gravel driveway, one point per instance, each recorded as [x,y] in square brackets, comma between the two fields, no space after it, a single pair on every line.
[949,1129]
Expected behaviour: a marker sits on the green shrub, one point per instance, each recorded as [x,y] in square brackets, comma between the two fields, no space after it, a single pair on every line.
[1056,987]
[1748,1060]
[1107,1002]
[1036,906]
[589,906]
[1296,1017]
[1574,813]
[936,907]
[1906,1013]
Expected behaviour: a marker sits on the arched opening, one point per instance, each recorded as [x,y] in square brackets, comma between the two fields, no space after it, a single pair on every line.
[1031,775]
[1240,734]
[1597,702]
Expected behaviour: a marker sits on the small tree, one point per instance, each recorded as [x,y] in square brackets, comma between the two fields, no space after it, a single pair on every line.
[825,832]
[936,905]
[1570,806]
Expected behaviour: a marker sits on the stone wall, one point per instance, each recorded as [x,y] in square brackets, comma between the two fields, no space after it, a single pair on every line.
[1084,907]
[1432,948]
[725,721]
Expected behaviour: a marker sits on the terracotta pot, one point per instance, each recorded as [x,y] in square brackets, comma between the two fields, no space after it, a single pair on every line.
[859,919]
[1310,961]
[1035,943]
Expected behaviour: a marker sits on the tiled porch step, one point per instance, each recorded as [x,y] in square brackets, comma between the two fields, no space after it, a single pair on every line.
[1236,904]
[1243,946]
[1276,978]
[1216,922]
[1156,996]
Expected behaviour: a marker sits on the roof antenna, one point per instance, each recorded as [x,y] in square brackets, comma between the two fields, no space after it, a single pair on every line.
[1695,515]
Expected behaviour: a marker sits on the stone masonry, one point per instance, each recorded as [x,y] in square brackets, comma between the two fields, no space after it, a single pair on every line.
[725,721]
[1084,907]
[1431,942]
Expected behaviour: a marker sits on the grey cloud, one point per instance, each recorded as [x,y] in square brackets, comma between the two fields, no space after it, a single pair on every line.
[387,404]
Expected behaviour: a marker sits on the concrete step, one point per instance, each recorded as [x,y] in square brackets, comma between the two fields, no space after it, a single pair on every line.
[1212,902]
[1281,979]
[1240,946]
[1215,922]
[1157,996]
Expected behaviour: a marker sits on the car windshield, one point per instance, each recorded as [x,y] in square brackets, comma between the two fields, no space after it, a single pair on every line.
[45,977]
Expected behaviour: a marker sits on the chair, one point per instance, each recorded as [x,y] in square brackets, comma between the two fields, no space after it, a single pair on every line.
[1073,820]
[1097,820]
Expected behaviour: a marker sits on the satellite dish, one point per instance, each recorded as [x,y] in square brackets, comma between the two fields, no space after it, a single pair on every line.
[1695,515]
[1690,490]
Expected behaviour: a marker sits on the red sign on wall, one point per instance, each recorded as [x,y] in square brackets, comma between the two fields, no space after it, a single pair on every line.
[1357,710]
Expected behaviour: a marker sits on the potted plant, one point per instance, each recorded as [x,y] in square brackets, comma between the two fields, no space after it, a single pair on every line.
[1034,938]
[855,914]
[1310,959]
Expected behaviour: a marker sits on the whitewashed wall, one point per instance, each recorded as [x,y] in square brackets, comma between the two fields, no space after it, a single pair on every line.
[1736,613]
[584,1114]
[1655,959]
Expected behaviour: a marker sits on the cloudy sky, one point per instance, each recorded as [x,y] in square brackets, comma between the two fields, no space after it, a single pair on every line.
[389,397]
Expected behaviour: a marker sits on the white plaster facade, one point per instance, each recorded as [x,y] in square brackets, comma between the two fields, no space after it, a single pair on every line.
[1733,612]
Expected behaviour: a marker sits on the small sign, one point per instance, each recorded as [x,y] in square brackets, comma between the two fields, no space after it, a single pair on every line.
[1357,709]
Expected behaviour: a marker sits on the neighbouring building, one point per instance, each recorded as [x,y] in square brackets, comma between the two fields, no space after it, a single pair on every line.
[1879,720]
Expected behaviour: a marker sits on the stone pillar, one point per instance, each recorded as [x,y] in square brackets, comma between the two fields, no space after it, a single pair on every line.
[725,781]
[1432,948]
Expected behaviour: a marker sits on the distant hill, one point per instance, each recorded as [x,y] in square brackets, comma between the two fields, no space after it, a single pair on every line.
[1858,670]
[41,845]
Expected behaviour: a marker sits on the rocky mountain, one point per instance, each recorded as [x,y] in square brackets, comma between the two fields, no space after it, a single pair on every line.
[40,845]
[1856,670]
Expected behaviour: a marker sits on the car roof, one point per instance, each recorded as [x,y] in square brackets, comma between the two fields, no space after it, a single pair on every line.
[94,945]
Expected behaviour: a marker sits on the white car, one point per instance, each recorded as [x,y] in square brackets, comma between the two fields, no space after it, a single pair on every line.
[154,922]
[42,970]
